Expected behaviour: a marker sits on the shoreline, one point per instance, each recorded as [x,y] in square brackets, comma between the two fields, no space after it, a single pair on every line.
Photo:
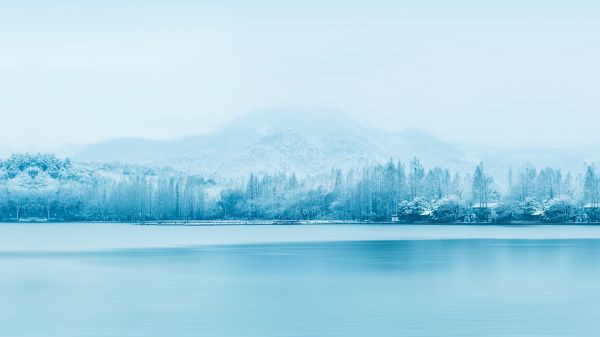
[217,223]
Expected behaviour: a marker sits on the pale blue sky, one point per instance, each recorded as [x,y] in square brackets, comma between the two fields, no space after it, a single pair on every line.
[505,73]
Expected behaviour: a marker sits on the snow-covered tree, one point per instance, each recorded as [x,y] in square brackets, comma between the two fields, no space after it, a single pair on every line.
[448,209]
[560,209]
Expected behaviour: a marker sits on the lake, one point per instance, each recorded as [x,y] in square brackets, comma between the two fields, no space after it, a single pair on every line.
[298,281]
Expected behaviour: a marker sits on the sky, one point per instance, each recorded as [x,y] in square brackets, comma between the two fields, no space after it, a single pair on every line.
[497,73]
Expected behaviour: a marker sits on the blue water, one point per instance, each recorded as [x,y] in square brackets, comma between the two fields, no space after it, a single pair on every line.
[436,287]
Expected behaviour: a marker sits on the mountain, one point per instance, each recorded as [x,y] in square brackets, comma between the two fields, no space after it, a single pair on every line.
[283,138]
[499,160]
[124,150]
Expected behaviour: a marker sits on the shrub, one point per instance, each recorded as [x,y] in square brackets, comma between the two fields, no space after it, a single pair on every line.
[411,211]
[448,209]
[560,209]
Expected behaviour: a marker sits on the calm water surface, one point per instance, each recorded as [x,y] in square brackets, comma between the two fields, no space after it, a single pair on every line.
[434,287]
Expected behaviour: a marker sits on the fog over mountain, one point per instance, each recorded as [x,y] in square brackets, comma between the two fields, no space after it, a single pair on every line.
[300,139]
[313,140]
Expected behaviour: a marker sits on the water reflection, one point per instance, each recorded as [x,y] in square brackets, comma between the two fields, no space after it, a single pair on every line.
[378,288]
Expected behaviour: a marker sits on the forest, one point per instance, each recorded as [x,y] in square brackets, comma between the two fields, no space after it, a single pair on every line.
[43,186]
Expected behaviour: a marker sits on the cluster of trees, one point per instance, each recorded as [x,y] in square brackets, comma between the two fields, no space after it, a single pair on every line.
[544,195]
[452,209]
[53,188]
[371,193]
[49,187]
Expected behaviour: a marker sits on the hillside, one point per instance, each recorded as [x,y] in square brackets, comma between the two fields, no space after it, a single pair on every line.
[304,140]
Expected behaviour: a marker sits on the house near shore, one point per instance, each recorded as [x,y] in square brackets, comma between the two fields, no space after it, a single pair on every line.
[422,217]
[592,211]
[536,216]
[425,216]
[533,215]
[484,212]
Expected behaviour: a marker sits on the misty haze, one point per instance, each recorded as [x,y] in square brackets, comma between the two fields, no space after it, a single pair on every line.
[299,169]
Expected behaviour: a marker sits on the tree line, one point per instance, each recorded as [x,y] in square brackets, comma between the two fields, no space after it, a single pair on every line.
[44,186]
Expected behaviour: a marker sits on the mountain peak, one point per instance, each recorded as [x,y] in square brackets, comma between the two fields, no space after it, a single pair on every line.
[289,118]
[303,139]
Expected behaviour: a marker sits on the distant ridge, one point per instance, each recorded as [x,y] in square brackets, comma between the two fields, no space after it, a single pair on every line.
[314,140]
[280,138]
